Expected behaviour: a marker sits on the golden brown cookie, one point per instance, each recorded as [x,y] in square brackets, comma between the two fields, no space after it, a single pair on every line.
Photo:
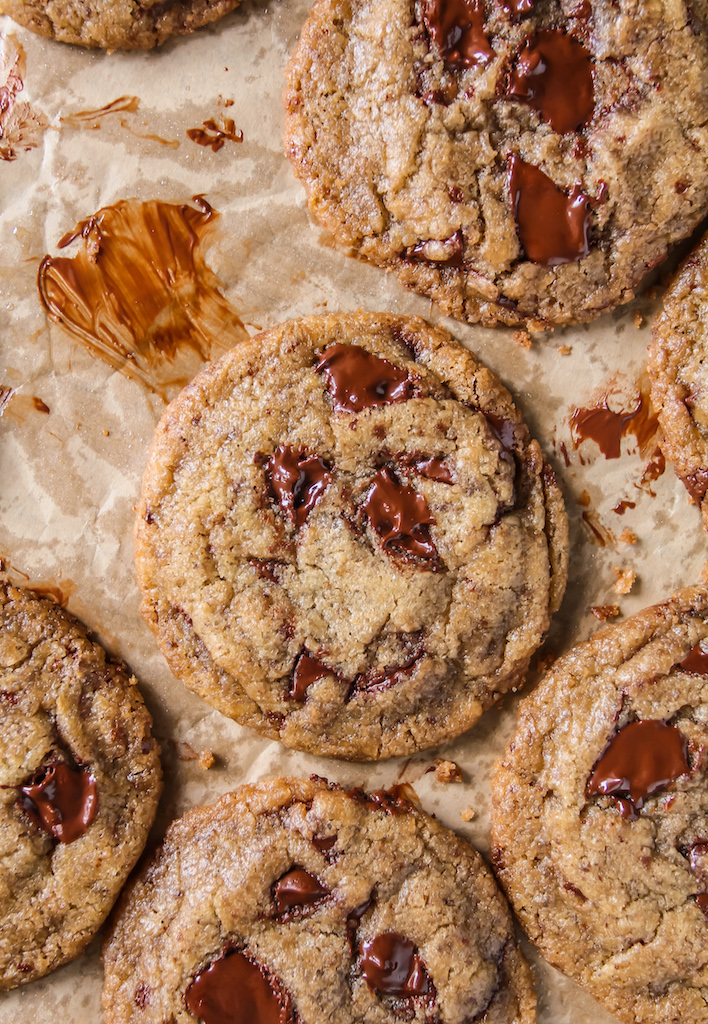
[79,784]
[346,537]
[516,161]
[115,24]
[600,814]
[292,900]
[678,368]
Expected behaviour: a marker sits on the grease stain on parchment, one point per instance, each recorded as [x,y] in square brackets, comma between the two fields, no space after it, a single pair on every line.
[139,293]
[21,124]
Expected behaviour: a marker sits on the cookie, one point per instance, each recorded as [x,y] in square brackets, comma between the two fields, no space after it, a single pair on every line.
[346,537]
[515,160]
[293,900]
[115,24]
[600,814]
[678,369]
[79,784]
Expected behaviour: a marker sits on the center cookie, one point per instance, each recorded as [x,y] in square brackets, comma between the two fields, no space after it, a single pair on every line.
[346,537]
[289,901]
[513,159]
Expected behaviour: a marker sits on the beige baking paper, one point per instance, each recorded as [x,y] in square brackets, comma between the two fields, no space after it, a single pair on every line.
[74,432]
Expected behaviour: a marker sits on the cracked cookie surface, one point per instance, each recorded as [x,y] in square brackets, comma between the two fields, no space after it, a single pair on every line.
[600,814]
[516,162]
[115,24]
[302,892]
[678,368]
[79,784]
[346,537]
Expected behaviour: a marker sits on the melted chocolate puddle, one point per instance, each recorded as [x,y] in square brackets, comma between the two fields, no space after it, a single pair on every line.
[457,29]
[400,517]
[606,427]
[21,125]
[640,759]
[61,801]
[235,989]
[296,892]
[552,74]
[553,226]
[391,964]
[139,294]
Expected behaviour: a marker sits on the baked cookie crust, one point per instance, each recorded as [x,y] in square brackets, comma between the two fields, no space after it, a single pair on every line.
[429,138]
[600,814]
[80,780]
[346,537]
[307,888]
[678,369]
[115,24]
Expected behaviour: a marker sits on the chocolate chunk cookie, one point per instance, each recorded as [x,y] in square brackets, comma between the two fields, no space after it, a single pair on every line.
[678,368]
[115,24]
[292,900]
[600,814]
[527,160]
[346,537]
[79,784]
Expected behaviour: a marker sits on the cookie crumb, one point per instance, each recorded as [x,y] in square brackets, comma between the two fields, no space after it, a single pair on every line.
[468,814]
[447,771]
[638,319]
[206,760]
[628,537]
[603,612]
[522,338]
[565,350]
[625,579]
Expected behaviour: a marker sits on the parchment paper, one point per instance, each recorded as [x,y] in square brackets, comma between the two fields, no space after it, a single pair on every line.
[69,477]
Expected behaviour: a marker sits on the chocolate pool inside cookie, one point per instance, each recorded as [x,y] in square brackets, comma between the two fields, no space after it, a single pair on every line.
[390,964]
[236,989]
[61,800]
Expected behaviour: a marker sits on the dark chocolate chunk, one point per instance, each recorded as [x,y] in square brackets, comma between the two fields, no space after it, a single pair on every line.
[552,226]
[306,672]
[60,800]
[642,758]
[234,989]
[297,889]
[696,661]
[431,467]
[400,517]
[391,964]
[297,481]
[357,379]
[552,73]
[457,29]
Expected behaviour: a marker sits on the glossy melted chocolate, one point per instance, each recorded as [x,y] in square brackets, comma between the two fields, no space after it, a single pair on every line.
[640,759]
[394,800]
[391,964]
[400,516]
[60,800]
[517,8]
[237,990]
[297,481]
[606,427]
[306,672]
[457,29]
[553,227]
[357,379]
[553,74]
[432,468]
[297,889]
[696,661]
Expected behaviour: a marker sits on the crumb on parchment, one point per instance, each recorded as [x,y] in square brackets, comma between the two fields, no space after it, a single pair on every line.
[447,771]
[565,350]
[206,760]
[522,338]
[468,814]
[625,579]
[638,319]
[603,612]
[628,537]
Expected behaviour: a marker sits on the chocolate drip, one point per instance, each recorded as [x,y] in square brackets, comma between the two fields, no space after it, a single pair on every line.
[606,427]
[642,758]
[696,661]
[306,672]
[297,481]
[431,467]
[377,680]
[296,890]
[400,517]
[391,964]
[357,379]
[61,801]
[553,74]
[457,29]
[235,989]
[552,226]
